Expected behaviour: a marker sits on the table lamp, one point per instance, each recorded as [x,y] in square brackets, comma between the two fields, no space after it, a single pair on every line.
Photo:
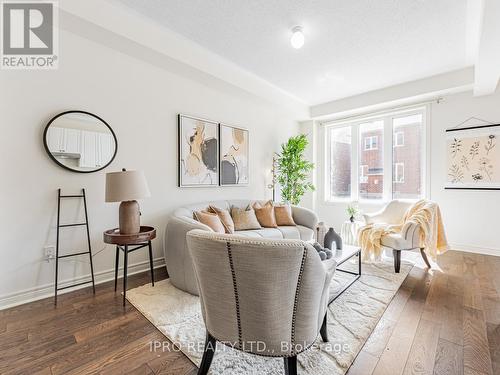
[126,187]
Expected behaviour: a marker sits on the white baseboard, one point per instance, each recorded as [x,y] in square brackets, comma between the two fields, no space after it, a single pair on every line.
[47,290]
[475,249]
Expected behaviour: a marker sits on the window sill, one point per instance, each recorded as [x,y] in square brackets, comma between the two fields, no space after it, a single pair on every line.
[365,202]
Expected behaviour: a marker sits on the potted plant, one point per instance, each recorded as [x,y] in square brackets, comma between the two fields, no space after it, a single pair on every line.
[352,211]
[293,169]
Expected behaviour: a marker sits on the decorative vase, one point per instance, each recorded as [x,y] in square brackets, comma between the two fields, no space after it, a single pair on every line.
[321,230]
[330,237]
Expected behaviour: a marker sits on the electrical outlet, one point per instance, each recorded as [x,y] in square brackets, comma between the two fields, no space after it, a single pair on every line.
[49,252]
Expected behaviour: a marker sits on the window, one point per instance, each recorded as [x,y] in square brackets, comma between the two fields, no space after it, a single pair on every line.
[399,173]
[371,143]
[377,157]
[408,155]
[363,174]
[399,139]
[373,188]
[340,162]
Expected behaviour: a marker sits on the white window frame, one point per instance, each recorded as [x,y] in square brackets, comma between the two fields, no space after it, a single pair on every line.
[395,173]
[388,117]
[371,143]
[396,144]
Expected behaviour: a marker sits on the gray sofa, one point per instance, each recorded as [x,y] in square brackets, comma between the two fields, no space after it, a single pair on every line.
[177,258]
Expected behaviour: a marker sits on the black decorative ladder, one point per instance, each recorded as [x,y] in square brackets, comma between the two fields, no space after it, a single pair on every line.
[89,251]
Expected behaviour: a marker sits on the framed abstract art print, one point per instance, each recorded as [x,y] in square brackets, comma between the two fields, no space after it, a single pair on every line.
[234,155]
[198,152]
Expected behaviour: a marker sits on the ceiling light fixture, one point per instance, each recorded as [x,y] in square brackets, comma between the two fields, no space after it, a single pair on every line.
[297,39]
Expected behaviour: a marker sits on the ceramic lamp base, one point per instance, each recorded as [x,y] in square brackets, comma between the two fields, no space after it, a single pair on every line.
[129,217]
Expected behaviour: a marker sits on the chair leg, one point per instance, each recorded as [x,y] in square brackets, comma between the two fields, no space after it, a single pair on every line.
[424,256]
[208,355]
[151,264]
[125,265]
[323,332]
[290,365]
[117,263]
[397,260]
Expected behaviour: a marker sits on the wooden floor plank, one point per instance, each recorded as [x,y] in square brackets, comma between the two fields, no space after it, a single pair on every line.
[365,364]
[489,293]
[130,356]
[451,312]
[472,286]
[170,365]
[422,354]
[393,360]
[377,342]
[141,370]
[106,326]
[410,317]
[471,371]
[476,347]
[449,358]
[493,334]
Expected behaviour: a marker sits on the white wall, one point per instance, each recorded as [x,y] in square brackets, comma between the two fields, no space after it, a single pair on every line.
[140,101]
[471,217]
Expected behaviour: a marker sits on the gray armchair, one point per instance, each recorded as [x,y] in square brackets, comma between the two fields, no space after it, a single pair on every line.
[269,291]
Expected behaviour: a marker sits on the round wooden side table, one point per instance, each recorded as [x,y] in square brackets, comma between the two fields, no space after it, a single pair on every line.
[122,242]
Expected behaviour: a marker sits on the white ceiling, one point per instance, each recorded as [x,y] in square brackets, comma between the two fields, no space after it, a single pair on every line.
[351,46]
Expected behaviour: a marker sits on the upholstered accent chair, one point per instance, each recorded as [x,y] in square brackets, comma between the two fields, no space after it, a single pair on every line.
[267,291]
[409,237]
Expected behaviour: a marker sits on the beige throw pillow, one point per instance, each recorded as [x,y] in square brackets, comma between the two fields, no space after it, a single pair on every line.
[265,214]
[225,218]
[283,214]
[210,219]
[244,218]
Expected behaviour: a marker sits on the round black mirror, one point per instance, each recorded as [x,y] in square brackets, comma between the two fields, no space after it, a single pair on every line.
[80,141]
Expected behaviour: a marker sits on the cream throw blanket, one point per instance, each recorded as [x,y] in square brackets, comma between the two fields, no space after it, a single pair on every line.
[424,213]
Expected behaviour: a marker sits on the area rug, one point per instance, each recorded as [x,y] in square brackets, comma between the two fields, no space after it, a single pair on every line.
[351,319]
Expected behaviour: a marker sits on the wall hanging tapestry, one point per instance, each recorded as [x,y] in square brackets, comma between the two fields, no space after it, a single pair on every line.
[198,147]
[473,157]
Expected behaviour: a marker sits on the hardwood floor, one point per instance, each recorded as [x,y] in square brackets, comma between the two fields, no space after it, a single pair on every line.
[85,335]
[443,321]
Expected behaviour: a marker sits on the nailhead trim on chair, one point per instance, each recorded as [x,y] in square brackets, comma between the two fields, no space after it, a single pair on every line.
[267,355]
[296,299]
[236,297]
[235,238]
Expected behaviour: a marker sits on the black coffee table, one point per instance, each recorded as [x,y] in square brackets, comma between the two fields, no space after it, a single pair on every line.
[342,256]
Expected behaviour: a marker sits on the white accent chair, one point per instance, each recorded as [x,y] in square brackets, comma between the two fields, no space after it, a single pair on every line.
[257,290]
[409,237]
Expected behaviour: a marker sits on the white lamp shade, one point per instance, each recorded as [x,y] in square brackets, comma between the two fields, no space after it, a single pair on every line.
[126,186]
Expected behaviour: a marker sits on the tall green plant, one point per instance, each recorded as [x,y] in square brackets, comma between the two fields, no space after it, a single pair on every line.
[293,169]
